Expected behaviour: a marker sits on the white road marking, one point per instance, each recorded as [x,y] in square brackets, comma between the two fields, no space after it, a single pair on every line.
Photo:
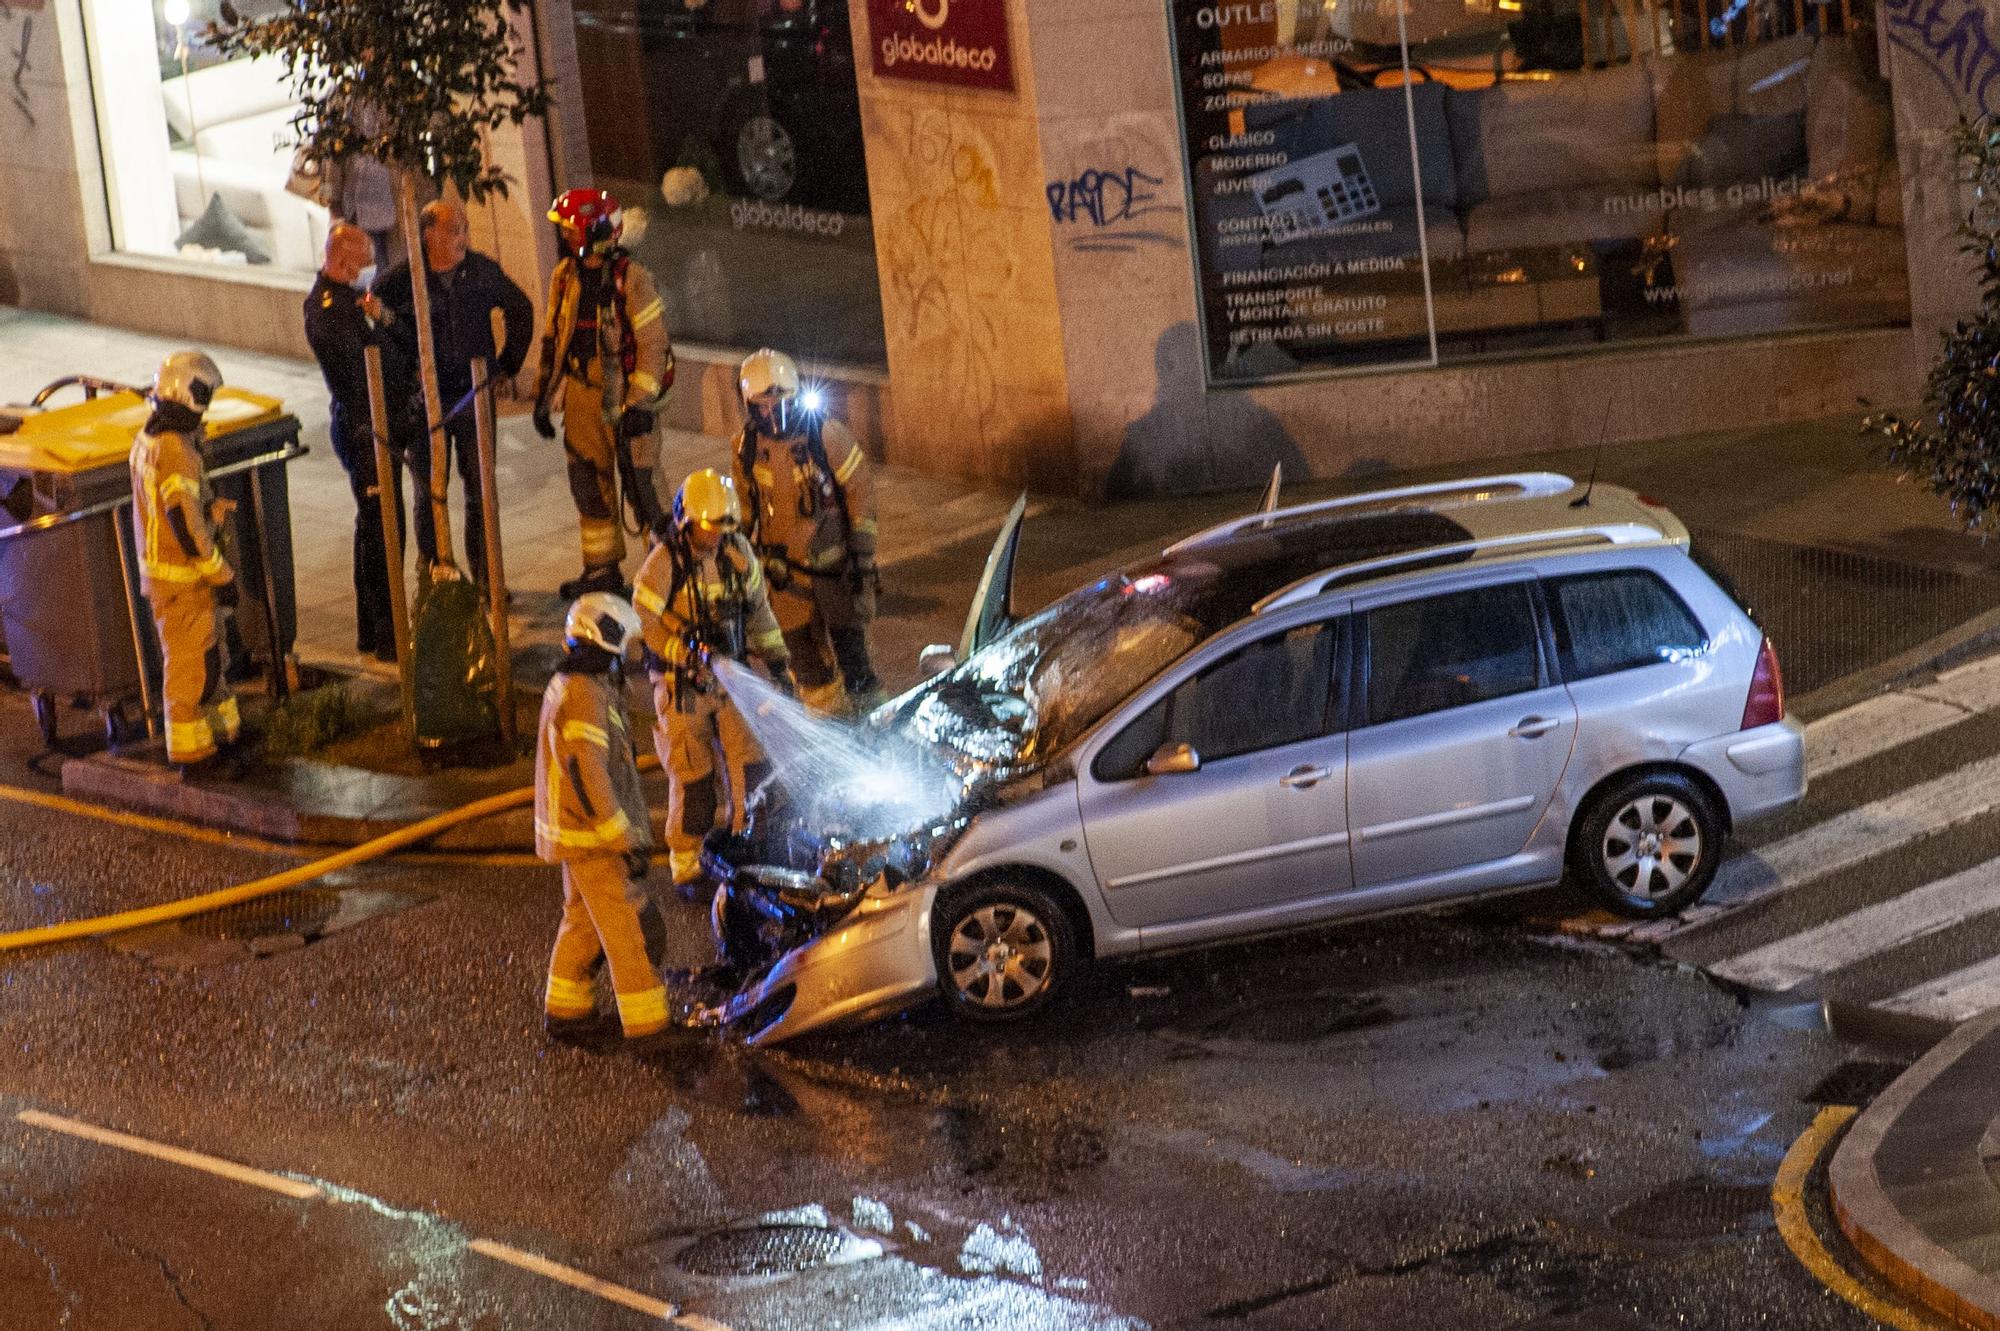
[944,1313]
[208,1164]
[1954,997]
[1840,843]
[302,1191]
[1792,960]
[575,1279]
[1881,723]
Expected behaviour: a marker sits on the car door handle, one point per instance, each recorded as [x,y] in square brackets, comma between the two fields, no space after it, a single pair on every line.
[1533,727]
[1303,778]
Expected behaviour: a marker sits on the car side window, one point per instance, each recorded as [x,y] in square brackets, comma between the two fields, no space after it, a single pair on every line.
[1606,622]
[1451,650]
[1272,692]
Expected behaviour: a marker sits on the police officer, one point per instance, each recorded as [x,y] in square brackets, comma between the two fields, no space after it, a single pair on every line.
[340,323]
[590,818]
[607,363]
[182,572]
[701,595]
[466,290]
[811,501]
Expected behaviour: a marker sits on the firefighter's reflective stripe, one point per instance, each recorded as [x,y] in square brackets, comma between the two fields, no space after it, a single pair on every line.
[606,834]
[196,736]
[647,599]
[590,734]
[231,717]
[845,472]
[643,1012]
[570,999]
[648,315]
[600,541]
[644,384]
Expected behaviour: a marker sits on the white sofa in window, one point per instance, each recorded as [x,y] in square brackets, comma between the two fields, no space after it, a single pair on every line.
[232,129]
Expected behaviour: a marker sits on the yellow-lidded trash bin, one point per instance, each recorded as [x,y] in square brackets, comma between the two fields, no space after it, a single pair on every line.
[68,578]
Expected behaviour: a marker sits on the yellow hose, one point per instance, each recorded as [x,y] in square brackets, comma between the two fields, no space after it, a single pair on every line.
[387,844]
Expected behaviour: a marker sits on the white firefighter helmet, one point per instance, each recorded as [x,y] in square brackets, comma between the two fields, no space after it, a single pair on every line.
[602,619]
[707,497]
[766,376]
[186,379]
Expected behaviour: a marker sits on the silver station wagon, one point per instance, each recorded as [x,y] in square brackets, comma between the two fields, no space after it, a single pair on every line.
[1384,702]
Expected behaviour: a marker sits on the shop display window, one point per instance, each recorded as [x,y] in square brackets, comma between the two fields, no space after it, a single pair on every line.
[736,126]
[1389,182]
[197,149]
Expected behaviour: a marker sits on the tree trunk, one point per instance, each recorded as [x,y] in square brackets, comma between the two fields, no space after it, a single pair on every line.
[420,295]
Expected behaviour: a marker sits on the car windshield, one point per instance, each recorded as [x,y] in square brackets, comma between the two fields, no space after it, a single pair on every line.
[1031,692]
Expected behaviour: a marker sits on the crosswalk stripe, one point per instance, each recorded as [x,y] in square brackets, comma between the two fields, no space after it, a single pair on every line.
[1954,997]
[1881,723]
[1792,960]
[1840,843]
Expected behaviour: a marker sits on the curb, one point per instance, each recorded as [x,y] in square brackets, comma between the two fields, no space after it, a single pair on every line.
[393,802]
[1892,1245]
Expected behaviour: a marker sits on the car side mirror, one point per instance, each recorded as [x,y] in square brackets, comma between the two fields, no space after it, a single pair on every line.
[1171,758]
[935,659]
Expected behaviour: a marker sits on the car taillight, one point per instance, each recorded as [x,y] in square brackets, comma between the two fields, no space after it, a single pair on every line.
[1766,704]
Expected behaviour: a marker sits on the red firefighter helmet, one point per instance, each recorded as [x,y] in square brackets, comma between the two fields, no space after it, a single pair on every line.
[592,214]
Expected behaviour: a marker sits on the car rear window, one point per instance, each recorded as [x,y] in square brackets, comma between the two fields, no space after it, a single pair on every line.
[1450,651]
[1620,620]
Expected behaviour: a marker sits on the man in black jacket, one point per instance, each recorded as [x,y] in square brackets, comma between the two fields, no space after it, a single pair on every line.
[465,289]
[339,326]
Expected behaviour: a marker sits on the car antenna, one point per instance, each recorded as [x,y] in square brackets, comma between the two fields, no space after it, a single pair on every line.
[1583,500]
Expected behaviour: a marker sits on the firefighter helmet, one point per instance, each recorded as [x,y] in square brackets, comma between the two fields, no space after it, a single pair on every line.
[592,213]
[186,379]
[602,619]
[707,497]
[769,382]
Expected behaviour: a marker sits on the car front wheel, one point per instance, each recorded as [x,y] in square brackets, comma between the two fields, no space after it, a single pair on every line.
[1647,846]
[1003,949]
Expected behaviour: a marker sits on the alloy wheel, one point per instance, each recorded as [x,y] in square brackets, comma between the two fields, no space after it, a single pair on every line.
[1000,956]
[766,157]
[1652,845]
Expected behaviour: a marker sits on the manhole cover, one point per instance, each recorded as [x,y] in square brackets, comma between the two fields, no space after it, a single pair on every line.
[1692,1210]
[301,911]
[262,927]
[770,1250]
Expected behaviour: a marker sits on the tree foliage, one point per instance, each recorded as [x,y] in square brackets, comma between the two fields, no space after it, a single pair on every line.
[1953,446]
[415,84]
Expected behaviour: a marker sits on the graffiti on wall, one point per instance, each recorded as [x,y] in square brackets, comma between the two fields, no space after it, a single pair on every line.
[1951,38]
[19,28]
[1101,208]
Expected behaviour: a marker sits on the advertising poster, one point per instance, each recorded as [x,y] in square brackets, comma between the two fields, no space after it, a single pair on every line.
[1381,183]
[959,42]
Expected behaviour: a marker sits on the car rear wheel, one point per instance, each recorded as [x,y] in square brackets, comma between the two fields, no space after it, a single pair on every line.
[766,158]
[1003,949]
[1648,846]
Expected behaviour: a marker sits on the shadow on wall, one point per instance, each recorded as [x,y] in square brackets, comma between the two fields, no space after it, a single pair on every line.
[10,285]
[1192,440]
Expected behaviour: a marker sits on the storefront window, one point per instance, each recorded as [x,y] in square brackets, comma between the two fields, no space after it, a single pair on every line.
[1384,182]
[197,149]
[737,125]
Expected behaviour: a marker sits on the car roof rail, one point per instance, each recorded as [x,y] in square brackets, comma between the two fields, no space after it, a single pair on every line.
[1443,494]
[1560,538]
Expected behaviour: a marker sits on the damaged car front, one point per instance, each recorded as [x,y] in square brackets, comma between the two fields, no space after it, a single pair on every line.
[828,906]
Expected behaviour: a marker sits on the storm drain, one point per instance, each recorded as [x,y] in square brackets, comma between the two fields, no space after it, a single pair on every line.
[772,1250]
[1692,1211]
[261,927]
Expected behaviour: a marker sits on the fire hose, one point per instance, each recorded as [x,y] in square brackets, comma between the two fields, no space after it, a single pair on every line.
[387,844]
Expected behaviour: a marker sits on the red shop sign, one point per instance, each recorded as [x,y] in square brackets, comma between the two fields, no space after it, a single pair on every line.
[960,42]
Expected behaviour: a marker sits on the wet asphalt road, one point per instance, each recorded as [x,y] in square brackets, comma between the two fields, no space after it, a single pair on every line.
[1458,1120]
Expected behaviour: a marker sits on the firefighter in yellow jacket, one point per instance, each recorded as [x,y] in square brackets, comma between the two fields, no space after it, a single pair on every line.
[590,818]
[811,497]
[701,595]
[182,571]
[607,363]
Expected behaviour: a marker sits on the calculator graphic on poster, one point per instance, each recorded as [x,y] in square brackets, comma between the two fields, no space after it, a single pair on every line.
[1315,194]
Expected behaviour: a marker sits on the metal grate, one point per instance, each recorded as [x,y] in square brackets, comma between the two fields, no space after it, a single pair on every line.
[1834,612]
[301,911]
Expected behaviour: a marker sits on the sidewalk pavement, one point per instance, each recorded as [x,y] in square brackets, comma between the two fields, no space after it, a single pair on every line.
[1916,1181]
